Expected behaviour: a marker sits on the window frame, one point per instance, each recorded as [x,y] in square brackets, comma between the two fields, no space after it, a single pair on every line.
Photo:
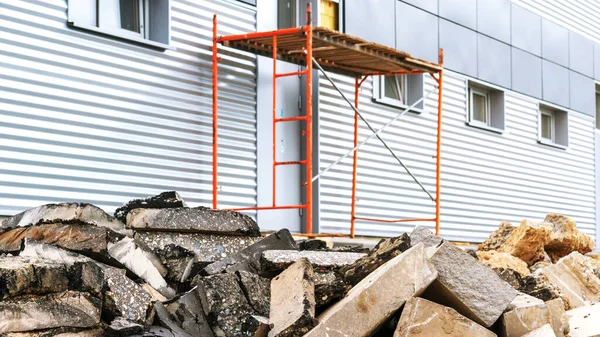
[488,107]
[496,104]
[379,93]
[552,126]
[552,110]
[143,27]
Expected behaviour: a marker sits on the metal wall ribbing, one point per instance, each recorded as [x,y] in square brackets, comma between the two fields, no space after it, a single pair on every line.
[87,118]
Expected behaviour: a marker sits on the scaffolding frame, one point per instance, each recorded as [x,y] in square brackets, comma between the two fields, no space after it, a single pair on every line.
[338,53]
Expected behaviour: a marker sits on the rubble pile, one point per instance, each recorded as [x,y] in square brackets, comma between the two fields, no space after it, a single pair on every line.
[160,268]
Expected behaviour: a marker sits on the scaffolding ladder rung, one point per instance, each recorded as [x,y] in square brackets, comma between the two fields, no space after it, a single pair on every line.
[297,162]
[293,73]
[290,119]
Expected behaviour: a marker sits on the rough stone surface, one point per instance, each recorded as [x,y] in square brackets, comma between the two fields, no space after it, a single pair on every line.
[59,332]
[208,248]
[180,262]
[574,277]
[125,298]
[384,251]
[523,300]
[374,300]
[558,317]
[313,244]
[248,259]
[169,199]
[539,286]
[164,318]
[186,311]
[120,327]
[583,321]
[499,260]
[421,317]
[498,237]
[527,241]
[66,213]
[263,324]
[544,331]
[157,331]
[293,300]
[527,318]
[141,262]
[257,290]
[85,239]
[423,235]
[566,238]
[195,220]
[66,309]
[329,287]
[510,276]
[463,283]
[278,260]
[225,305]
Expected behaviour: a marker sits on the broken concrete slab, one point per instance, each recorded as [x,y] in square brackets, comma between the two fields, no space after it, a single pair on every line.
[566,238]
[544,331]
[584,321]
[225,305]
[293,300]
[180,262]
[192,220]
[574,277]
[312,244]
[278,260]
[422,234]
[257,290]
[168,199]
[374,300]
[499,260]
[248,259]
[329,287]
[186,311]
[527,318]
[527,241]
[465,284]
[66,309]
[65,213]
[207,248]
[421,317]
[59,332]
[120,327]
[498,237]
[125,298]
[384,251]
[164,318]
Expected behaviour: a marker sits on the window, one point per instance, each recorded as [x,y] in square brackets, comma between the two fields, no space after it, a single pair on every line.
[485,107]
[399,91]
[286,13]
[144,21]
[329,14]
[553,126]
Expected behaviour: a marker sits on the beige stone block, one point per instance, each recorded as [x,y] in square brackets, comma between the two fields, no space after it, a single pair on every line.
[495,259]
[527,241]
[544,331]
[566,238]
[584,321]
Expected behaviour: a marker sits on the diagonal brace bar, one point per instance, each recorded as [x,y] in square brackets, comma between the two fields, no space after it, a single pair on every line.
[373,130]
[374,135]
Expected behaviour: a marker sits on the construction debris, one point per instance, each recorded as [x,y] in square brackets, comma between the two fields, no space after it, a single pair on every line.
[73,270]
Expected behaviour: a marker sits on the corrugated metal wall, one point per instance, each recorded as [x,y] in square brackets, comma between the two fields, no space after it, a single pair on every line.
[87,118]
[486,177]
[580,16]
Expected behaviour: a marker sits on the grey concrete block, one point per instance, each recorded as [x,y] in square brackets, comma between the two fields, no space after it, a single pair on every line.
[463,12]
[555,43]
[526,30]
[555,87]
[526,73]
[583,93]
[460,48]
[423,45]
[493,61]
[493,19]
[581,54]
[372,20]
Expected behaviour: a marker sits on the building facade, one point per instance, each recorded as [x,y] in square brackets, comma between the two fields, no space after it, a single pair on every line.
[103,101]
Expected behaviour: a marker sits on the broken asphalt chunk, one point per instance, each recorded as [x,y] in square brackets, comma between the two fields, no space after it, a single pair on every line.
[278,260]
[186,311]
[169,199]
[257,290]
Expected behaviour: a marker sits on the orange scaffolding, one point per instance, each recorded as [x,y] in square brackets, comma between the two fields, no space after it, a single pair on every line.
[334,52]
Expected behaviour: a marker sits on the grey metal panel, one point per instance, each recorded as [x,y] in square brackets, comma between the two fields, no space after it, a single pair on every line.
[526,73]
[581,54]
[555,43]
[372,20]
[460,48]
[91,119]
[597,61]
[411,19]
[583,93]
[463,12]
[555,84]
[493,61]
[493,19]
[486,177]
[428,5]
[160,24]
[526,30]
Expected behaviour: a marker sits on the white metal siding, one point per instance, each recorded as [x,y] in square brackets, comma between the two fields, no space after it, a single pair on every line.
[486,177]
[580,16]
[87,118]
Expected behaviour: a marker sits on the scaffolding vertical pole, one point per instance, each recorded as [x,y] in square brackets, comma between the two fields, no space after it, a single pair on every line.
[274,184]
[354,160]
[309,163]
[438,158]
[215,121]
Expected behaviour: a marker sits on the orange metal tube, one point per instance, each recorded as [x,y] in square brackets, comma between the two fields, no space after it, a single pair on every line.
[309,69]
[215,61]
[297,162]
[354,160]
[274,183]
[255,35]
[400,220]
[290,119]
[438,163]
[294,73]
